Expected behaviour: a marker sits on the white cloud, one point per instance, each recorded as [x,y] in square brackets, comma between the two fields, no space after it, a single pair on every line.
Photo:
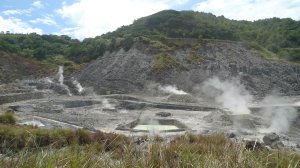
[38,4]
[180,2]
[251,9]
[47,20]
[94,17]
[16,12]
[15,25]
[67,31]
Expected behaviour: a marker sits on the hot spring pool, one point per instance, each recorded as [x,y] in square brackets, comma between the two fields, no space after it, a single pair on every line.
[150,125]
[155,127]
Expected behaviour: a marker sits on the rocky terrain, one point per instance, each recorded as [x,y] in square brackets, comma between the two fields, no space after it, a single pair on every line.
[155,83]
[59,101]
[127,71]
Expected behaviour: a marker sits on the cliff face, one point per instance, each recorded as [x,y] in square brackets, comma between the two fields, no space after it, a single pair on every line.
[187,66]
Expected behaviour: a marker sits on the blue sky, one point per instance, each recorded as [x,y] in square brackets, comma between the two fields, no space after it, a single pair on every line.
[89,18]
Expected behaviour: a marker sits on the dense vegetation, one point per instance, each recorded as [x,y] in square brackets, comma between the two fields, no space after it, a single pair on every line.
[28,146]
[279,36]
[43,47]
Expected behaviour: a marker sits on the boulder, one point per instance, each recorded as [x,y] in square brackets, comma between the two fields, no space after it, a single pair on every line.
[232,135]
[273,140]
[270,138]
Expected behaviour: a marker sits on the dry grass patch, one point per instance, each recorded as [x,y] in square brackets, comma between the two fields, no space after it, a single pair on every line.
[33,147]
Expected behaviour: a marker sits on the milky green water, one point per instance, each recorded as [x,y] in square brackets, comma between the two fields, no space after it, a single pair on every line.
[155,127]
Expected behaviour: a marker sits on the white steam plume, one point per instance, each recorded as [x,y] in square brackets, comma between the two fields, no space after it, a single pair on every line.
[78,86]
[48,80]
[171,90]
[106,104]
[230,94]
[60,76]
[297,103]
[278,117]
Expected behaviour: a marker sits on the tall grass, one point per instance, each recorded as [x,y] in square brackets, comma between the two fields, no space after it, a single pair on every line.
[184,151]
[7,118]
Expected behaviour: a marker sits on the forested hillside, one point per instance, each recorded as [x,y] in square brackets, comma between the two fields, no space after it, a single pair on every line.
[278,36]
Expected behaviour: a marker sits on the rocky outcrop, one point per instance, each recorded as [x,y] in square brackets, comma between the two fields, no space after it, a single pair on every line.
[129,71]
[273,140]
[163,114]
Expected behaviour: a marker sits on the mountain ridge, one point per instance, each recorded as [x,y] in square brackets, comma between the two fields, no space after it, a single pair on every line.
[173,44]
[278,36]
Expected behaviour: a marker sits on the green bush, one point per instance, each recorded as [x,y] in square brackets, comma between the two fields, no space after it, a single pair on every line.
[193,57]
[62,137]
[164,62]
[7,118]
[111,141]
[83,136]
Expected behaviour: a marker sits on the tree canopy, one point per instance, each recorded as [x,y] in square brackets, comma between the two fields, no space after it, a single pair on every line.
[279,36]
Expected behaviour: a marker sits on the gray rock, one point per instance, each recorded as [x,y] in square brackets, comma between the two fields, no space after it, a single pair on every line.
[232,135]
[270,138]
[75,87]
[128,71]
[60,89]
[163,114]
[277,145]
[273,140]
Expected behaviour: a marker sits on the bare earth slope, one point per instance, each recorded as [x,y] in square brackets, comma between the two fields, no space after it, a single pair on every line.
[14,67]
[132,70]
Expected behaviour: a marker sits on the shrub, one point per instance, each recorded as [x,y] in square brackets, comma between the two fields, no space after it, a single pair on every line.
[165,62]
[41,137]
[62,137]
[83,136]
[7,118]
[193,57]
[111,141]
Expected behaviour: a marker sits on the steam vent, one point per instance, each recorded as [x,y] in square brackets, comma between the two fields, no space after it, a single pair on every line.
[169,90]
[224,106]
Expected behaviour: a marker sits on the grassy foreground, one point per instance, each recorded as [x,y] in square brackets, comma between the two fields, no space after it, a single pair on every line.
[33,147]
